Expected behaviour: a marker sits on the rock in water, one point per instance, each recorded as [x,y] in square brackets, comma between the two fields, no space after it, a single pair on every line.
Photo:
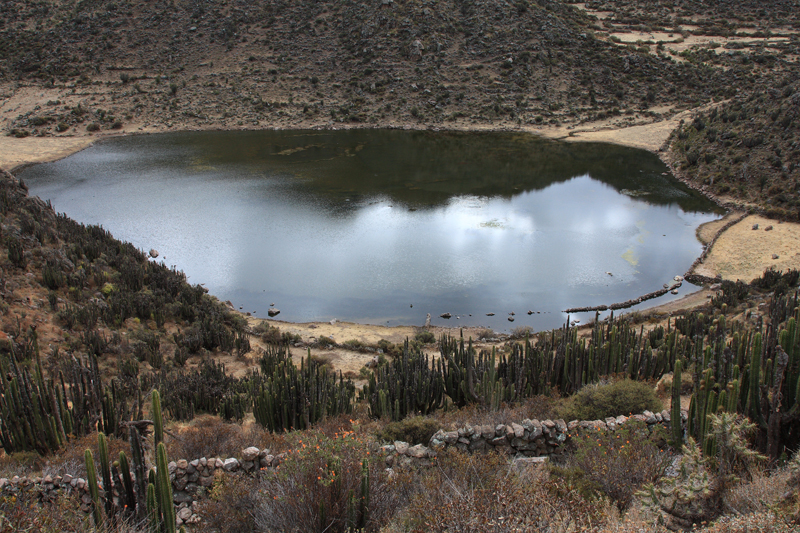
[273,312]
[511,319]
[153,253]
[445,315]
[428,321]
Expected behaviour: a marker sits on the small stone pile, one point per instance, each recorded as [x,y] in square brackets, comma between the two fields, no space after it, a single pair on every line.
[402,454]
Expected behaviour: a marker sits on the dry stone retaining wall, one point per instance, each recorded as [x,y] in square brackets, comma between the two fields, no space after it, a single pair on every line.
[191,479]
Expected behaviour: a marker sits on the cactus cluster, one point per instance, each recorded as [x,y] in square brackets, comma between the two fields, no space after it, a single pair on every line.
[409,384]
[41,414]
[755,372]
[288,397]
[150,498]
[415,384]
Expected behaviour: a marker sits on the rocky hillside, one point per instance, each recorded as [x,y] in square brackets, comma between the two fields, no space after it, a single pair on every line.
[74,67]
[239,63]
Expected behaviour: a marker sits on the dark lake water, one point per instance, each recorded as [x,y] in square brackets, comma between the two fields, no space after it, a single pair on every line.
[361,225]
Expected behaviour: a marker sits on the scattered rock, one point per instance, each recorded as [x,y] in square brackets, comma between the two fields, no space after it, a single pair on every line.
[755,226]
[775,256]
[768,228]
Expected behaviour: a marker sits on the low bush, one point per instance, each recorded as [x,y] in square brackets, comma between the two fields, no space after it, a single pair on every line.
[273,335]
[476,493]
[597,402]
[230,503]
[210,436]
[425,337]
[329,484]
[389,348]
[325,342]
[414,430]
[618,463]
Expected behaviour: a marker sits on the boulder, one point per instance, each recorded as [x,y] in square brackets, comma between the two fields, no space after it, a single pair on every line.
[250,454]
[418,452]
[272,311]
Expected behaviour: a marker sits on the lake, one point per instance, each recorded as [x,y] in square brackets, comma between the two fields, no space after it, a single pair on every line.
[385,226]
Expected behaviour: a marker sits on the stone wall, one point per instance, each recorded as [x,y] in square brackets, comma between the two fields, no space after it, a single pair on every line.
[534,438]
[191,479]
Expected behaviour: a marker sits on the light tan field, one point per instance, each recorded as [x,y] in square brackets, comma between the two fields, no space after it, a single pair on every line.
[744,253]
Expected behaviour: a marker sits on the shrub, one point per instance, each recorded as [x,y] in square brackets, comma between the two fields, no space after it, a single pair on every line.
[521,332]
[229,505]
[324,342]
[273,335]
[475,493]
[210,436]
[16,253]
[596,402]
[327,484]
[389,348]
[425,337]
[414,430]
[94,126]
[732,294]
[485,333]
[620,462]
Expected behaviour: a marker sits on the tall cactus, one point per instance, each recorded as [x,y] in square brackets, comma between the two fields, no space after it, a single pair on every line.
[127,484]
[105,470]
[164,491]
[675,415]
[158,421]
[94,490]
[139,470]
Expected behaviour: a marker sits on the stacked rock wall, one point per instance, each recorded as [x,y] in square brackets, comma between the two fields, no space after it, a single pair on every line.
[534,438]
[191,479]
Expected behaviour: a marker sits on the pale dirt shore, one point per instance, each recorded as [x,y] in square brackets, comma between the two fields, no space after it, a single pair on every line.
[16,153]
[744,253]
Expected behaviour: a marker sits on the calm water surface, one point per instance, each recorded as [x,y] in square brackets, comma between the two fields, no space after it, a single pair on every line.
[362,225]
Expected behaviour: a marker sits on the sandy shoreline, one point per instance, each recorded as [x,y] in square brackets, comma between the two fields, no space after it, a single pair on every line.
[737,253]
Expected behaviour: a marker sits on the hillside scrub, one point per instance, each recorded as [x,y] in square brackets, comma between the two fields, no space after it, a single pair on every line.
[624,397]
